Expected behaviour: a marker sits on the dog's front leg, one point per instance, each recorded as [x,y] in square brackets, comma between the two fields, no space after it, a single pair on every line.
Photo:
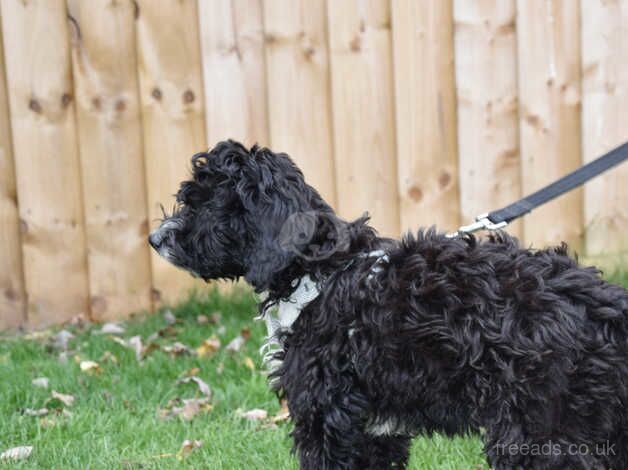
[329,413]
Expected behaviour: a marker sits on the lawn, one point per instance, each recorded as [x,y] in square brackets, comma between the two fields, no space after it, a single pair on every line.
[128,413]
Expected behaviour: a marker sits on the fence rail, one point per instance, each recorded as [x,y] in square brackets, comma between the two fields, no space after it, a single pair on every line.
[420,111]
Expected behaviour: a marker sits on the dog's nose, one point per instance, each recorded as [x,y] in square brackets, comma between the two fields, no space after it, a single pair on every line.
[154,239]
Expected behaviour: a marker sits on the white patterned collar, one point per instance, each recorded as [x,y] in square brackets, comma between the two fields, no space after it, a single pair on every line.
[281,317]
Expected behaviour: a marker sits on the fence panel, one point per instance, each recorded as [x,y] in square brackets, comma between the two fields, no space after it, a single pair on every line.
[110,137]
[605,125]
[11,276]
[171,91]
[297,66]
[232,46]
[426,113]
[39,75]
[363,111]
[488,124]
[548,36]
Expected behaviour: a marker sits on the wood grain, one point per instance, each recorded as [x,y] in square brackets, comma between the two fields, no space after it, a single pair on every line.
[48,179]
[12,299]
[110,136]
[297,66]
[427,155]
[171,92]
[363,111]
[548,37]
[605,125]
[232,48]
[488,123]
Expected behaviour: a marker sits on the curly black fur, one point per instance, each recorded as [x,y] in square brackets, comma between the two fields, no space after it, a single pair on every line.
[457,335]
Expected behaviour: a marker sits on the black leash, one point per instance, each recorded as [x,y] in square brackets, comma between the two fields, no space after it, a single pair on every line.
[502,217]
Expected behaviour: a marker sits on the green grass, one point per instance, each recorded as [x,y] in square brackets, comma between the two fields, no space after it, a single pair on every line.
[114,421]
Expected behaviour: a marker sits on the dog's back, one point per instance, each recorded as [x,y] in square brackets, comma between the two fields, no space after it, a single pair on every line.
[487,334]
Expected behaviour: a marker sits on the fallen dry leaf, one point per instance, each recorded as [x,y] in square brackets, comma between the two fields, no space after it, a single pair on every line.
[41,382]
[186,409]
[208,347]
[253,415]
[215,317]
[202,386]
[169,317]
[111,328]
[108,356]
[188,447]
[16,453]
[67,400]
[191,372]
[236,344]
[202,320]
[248,362]
[90,367]
[37,413]
[245,333]
[283,414]
[136,343]
[177,349]
[80,321]
[61,340]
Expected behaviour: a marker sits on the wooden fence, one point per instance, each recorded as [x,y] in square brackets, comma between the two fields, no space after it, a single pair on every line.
[421,111]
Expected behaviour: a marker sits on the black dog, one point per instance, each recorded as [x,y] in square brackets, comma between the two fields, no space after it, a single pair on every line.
[382,340]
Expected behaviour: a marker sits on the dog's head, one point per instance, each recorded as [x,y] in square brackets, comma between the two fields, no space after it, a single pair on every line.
[246,213]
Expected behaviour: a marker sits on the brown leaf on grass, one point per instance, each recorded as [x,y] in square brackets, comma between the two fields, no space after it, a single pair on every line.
[176,349]
[191,372]
[169,317]
[248,362]
[186,409]
[202,320]
[187,448]
[67,400]
[282,415]
[36,413]
[79,321]
[208,347]
[253,415]
[90,367]
[245,333]
[215,317]
[108,356]
[135,343]
[236,344]
[202,386]
[16,453]
[40,382]
[61,340]
[111,328]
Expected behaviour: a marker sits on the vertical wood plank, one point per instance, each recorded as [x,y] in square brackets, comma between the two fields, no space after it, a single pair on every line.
[12,301]
[488,124]
[363,111]
[297,65]
[39,76]
[232,50]
[426,113]
[171,92]
[548,39]
[605,125]
[105,71]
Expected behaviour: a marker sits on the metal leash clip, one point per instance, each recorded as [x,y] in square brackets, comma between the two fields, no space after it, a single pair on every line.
[482,222]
